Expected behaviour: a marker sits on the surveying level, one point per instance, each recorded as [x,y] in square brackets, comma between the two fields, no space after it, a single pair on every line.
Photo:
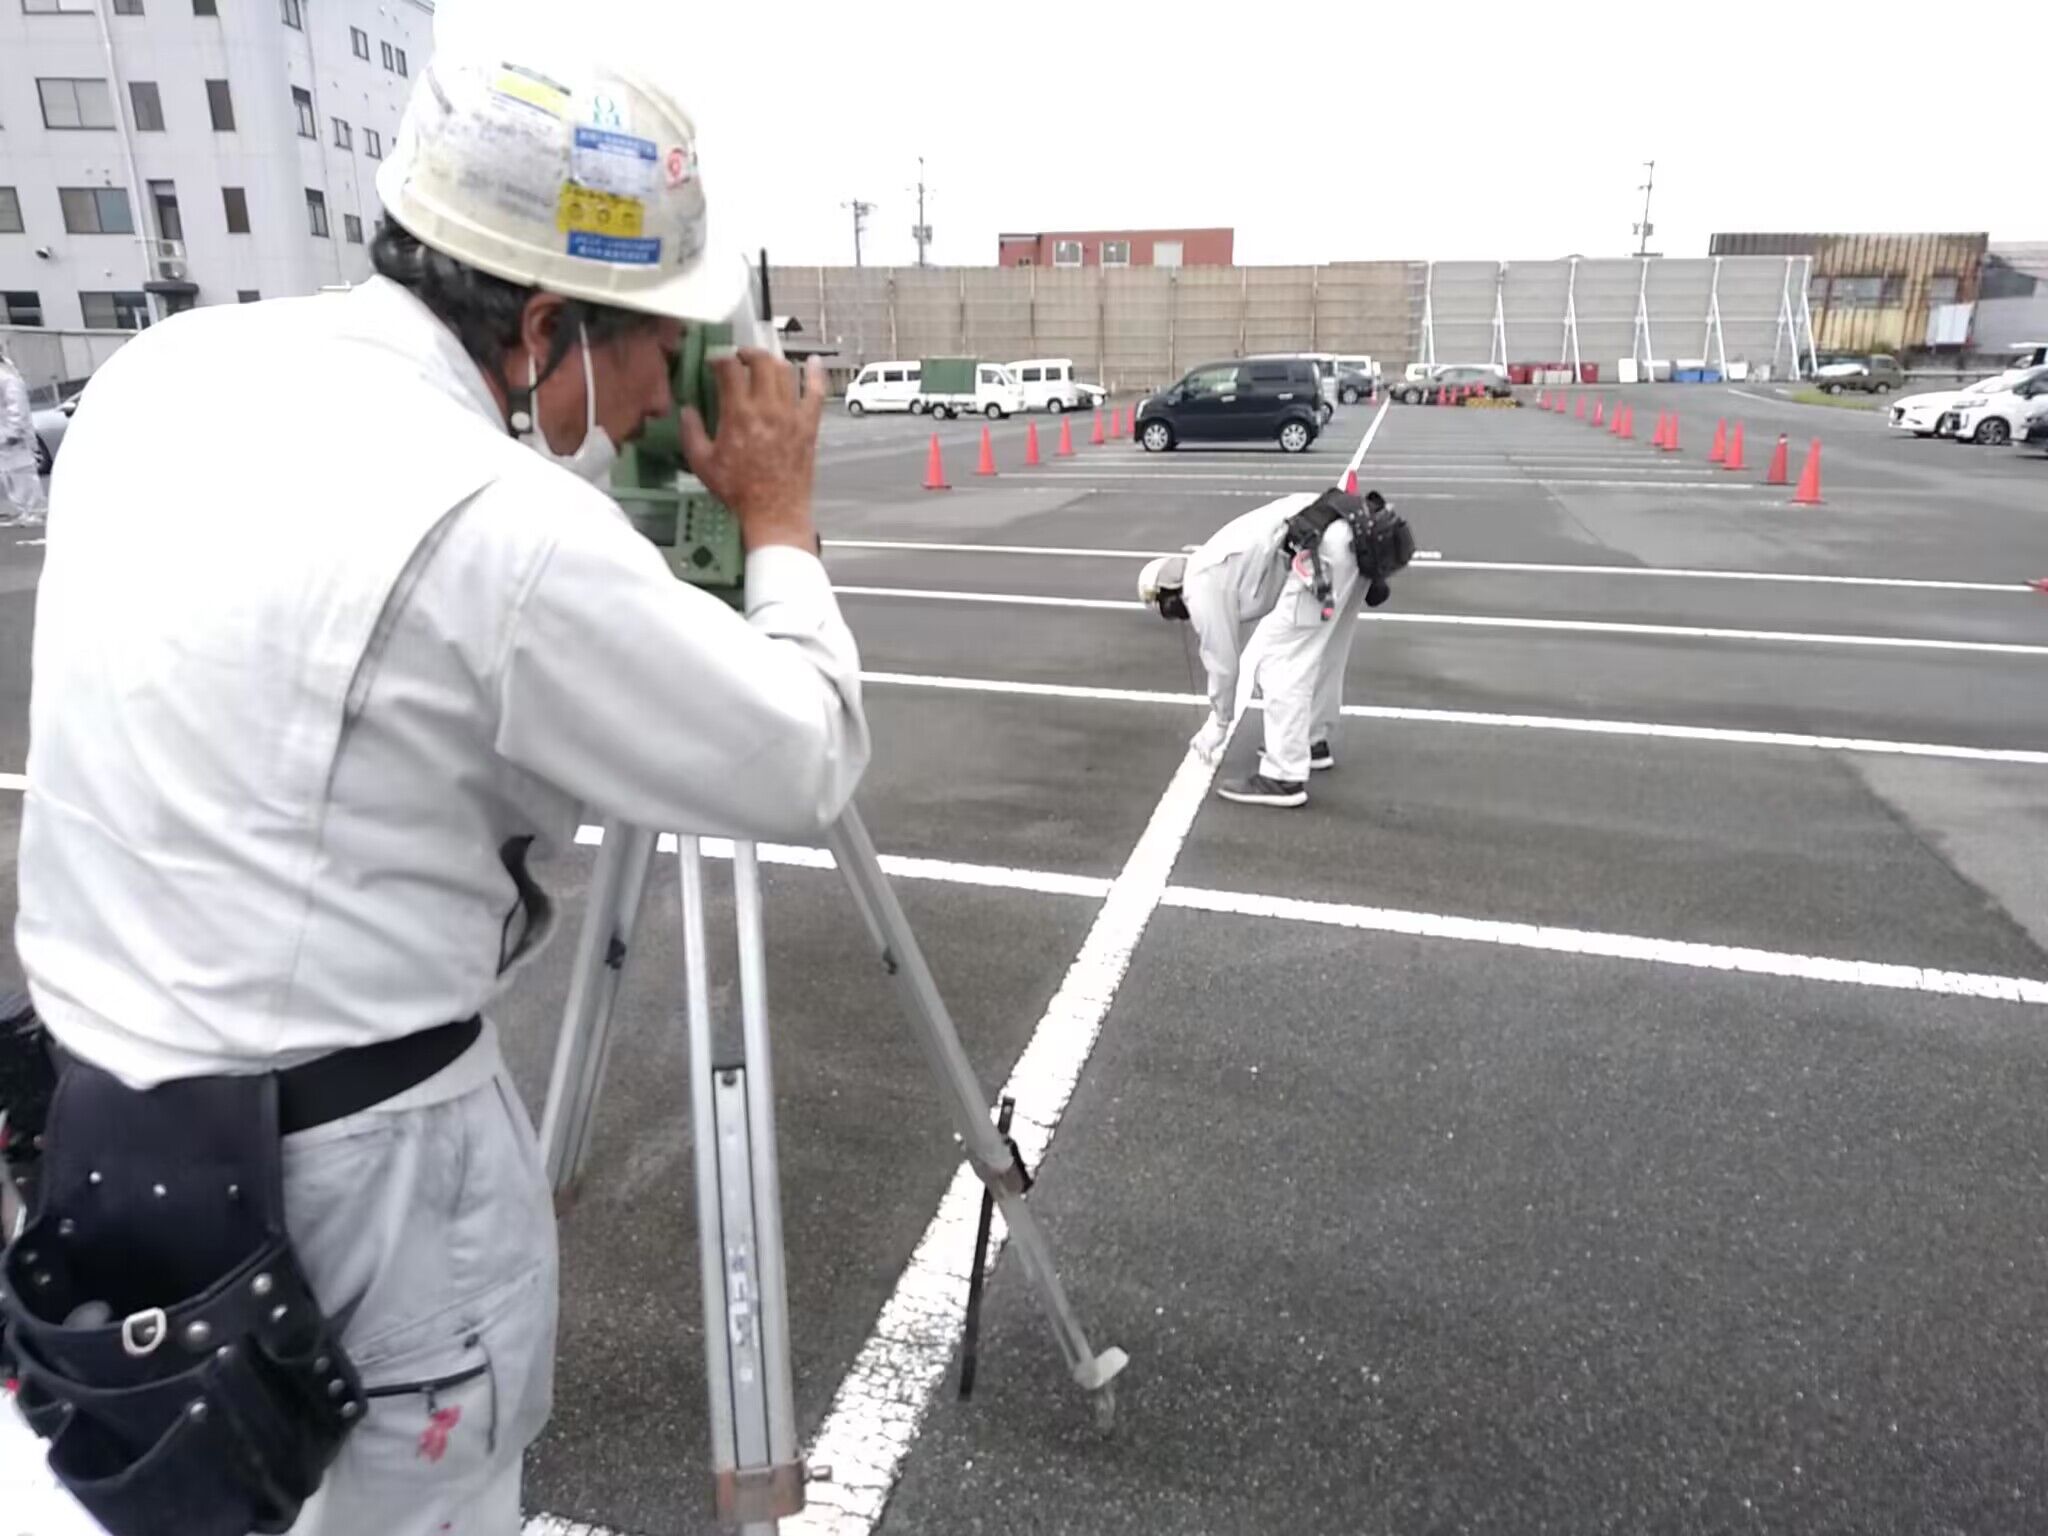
[758,1475]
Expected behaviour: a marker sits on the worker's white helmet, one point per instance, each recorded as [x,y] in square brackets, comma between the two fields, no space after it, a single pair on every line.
[1163,574]
[576,177]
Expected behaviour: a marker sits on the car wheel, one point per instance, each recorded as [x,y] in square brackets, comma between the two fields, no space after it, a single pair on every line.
[1831,389]
[1295,437]
[994,412]
[917,407]
[1055,405]
[1882,389]
[855,408]
[1993,432]
[43,457]
[1325,414]
[1155,437]
[1349,397]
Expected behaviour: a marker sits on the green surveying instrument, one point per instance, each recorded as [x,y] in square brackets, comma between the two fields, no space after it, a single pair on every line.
[758,1471]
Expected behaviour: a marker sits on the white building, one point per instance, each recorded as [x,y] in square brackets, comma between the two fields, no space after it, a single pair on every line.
[156,154]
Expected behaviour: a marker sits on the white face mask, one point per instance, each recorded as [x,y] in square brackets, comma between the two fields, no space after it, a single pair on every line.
[592,459]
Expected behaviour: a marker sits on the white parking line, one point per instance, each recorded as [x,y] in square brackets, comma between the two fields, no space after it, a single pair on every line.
[1084,474]
[1487,621]
[1717,735]
[1365,442]
[18,782]
[1522,567]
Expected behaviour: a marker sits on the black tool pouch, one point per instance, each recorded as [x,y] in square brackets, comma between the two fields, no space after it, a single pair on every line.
[166,1341]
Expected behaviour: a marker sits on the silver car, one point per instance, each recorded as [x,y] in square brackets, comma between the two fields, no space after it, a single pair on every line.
[49,425]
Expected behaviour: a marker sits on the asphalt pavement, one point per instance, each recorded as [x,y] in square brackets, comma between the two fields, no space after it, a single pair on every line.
[1609,1105]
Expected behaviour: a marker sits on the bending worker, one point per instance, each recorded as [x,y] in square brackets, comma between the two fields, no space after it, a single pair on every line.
[21,487]
[290,765]
[1298,566]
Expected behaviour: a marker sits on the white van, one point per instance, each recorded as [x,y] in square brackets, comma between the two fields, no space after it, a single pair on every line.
[885,387]
[1050,384]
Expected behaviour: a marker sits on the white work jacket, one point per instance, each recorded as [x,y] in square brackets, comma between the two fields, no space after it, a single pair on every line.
[1248,546]
[322,655]
[17,420]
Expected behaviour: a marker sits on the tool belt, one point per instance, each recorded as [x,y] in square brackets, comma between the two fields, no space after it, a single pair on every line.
[1380,538]
[166,1340]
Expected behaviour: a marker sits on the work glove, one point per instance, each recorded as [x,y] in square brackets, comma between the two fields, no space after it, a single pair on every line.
[1207,743]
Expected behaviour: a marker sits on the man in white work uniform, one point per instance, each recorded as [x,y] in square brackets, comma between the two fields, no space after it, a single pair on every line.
[1291,566]
[294,740]
[21,486]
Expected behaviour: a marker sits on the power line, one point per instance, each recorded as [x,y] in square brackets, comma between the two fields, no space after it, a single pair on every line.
[861,211]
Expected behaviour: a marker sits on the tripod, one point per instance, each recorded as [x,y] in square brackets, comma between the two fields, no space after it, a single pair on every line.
[758,1476]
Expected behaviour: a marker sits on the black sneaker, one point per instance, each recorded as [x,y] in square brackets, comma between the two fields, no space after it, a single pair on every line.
[1320,757]
[1260,790]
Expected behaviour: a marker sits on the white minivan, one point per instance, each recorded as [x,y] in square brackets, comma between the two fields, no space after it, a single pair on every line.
[885,387]
[1050,384]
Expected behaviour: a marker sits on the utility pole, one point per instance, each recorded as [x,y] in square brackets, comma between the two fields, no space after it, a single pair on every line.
[921,232]
[861,211]
[1645,228]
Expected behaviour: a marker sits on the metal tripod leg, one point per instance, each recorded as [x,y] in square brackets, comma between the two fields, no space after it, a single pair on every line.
[990,1155]
[758,1477]
[584,1044]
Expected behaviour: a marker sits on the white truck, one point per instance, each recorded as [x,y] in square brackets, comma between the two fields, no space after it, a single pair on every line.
[954,386]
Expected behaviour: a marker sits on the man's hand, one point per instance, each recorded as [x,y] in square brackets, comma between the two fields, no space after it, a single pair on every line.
[763,458]
[1208,742]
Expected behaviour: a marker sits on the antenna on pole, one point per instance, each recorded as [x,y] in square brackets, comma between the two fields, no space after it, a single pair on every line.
[1645,229]
[861,211]
[921,232]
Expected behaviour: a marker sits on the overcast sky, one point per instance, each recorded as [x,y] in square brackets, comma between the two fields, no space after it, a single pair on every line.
[1347,130]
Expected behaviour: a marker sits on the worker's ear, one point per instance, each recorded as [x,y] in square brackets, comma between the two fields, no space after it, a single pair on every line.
[538,322]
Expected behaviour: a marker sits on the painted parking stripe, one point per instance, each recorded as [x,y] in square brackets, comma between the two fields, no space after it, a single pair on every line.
[1365,442]
[1493,621]
[1619,946]
[18,782]
[1087,475]
[1519,567]
[1717,735]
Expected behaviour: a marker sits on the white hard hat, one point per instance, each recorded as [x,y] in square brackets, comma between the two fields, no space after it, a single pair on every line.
[579,178]
[1164,573]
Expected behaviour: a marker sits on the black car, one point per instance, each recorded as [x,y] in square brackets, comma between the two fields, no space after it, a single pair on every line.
[1250,400]
[1354,386]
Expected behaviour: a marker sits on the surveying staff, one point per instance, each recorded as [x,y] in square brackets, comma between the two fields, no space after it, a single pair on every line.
[21,488]
[293,750]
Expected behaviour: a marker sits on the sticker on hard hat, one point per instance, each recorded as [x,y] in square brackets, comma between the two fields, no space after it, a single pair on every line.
[628,253]
[536,91]
[586,211]
[612,162]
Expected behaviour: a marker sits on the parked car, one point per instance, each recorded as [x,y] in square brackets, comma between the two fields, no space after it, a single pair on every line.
[1277,399]
[1456,376]
[890,386]
[49,425]
[2037,423]
[1876,374]
[1051,384]
[1353,385]
[1325,365]
[1927,415]
[1996,417]
[955,385]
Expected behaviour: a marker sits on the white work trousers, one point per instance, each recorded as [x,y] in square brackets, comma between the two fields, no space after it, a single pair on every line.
[21,493]
[1301,658]
[436,1223]
[1212,601]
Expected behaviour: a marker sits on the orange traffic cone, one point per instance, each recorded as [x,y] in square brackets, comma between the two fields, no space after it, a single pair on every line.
[1350,482]
[1097,438]
[1579,409]
[1735,449]
[987,466]
[1808,494]
[1779,455]
[935,469]
[1116,423]
[1671,433]
[1599,413]
[1031,442]
[1614,421]
[1628,422]
[1657,434]
[1720,453]
[1066,449]
[1542,399]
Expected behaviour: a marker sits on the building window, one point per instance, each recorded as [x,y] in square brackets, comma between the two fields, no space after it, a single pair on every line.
[293,16]
[359,42]
[1858,292]
[373,144]
[309,126]
[163,196]
[10,211]
[388,64]
[1066,253]
[76,104]
[236,200]
[148,105]
[399,54]
[114,311]
[204,8]
[1116,253]
[57,7]
[1167,253]
[96,210]
[343,139]
[21,308]
[1943,290]
[127,7]
[247,296]
[221,105]
[316,212]
[351,229]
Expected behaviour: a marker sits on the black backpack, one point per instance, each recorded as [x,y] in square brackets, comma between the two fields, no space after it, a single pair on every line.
[1380,538]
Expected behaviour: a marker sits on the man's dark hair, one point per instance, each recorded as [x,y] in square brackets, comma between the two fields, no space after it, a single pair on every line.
[483,311]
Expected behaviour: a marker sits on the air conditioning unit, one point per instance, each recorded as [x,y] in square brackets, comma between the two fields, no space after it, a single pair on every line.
[171,268]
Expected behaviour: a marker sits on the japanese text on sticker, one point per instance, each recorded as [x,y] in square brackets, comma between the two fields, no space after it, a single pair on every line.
[612,162]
